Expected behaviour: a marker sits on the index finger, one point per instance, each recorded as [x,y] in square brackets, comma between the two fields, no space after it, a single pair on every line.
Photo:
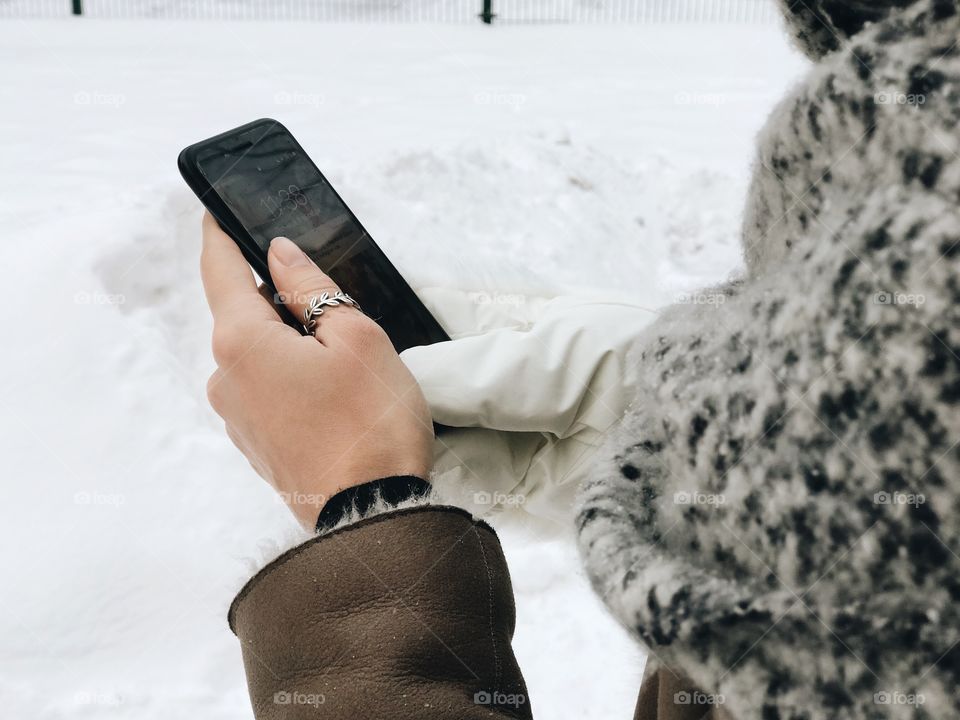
[227,278]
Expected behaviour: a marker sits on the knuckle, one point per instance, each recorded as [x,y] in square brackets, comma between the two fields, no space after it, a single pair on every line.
[362,333]
[215,392]
[305,288]
[229,343]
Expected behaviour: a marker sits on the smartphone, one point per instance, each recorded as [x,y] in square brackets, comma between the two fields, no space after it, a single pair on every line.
[258,183]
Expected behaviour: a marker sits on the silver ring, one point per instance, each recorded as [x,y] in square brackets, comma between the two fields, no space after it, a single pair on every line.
[317,303]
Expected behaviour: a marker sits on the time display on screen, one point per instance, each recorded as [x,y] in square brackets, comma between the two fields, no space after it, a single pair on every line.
[289,198]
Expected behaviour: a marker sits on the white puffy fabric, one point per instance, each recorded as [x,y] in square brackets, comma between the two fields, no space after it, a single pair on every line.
[528,388]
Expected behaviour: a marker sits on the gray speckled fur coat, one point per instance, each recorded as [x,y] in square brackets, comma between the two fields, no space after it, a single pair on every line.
[778,516]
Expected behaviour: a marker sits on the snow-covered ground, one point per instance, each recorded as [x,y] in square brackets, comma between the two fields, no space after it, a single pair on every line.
[502,159]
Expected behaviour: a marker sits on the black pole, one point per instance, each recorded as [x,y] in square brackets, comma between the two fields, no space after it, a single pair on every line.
[487,15]
[78,7]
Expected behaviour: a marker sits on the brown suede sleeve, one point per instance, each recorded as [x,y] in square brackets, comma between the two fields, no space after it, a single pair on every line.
[407,614]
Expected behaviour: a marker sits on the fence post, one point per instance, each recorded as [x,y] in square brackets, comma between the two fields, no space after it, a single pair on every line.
[487,15]
[78,7]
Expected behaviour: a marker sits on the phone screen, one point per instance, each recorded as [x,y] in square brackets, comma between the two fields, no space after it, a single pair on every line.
[273,189]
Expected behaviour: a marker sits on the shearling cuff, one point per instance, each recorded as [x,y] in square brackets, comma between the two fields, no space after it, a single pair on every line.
[373,498]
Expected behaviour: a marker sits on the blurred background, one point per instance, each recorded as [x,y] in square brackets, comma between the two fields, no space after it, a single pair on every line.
[509,148]
[503,11]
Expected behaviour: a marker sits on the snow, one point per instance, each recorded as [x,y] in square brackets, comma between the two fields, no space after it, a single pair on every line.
[508,159]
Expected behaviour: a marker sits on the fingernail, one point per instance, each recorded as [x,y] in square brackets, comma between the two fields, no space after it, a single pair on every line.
[288,253]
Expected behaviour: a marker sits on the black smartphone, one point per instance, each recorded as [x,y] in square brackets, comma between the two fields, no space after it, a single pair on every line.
[258,183]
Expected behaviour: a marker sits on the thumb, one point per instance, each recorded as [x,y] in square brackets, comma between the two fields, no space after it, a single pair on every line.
[296,277]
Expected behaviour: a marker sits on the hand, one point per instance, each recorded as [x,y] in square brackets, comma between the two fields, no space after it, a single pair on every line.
[533,386]
[315,414]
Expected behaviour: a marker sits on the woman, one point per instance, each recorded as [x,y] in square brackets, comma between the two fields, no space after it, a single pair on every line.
[776,518]
[407,612]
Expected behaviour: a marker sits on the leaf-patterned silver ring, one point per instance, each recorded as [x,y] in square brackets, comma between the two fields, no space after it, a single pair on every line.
[317,303]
